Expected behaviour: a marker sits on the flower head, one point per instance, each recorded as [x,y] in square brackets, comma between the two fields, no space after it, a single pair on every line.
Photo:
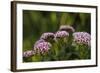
[28,53]
[66,28]
[82,38]
[42,47]
[47,35]
[39,41]
[61,34]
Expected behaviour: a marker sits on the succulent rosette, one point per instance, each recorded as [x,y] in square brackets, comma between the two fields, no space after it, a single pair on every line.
[42,47]
[82,38]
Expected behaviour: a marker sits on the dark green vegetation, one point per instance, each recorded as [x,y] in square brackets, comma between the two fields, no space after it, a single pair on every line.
[35,23]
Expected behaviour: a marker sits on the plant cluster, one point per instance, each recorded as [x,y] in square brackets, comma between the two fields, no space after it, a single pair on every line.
[65,44]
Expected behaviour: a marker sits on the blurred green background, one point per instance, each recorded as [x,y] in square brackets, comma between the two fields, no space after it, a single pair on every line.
[37,22]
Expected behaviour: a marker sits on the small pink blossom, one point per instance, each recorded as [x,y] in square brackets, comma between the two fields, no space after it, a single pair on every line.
[47,36]
[61,34]
[28,53]
[42,47]
[82,38]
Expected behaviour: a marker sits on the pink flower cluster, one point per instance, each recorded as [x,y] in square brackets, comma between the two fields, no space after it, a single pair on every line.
[42,47]
[47,36]
[28,53]
[39,41]
[82,38]
[61,34]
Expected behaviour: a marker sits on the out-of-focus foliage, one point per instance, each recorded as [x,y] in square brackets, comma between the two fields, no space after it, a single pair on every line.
[35,23]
